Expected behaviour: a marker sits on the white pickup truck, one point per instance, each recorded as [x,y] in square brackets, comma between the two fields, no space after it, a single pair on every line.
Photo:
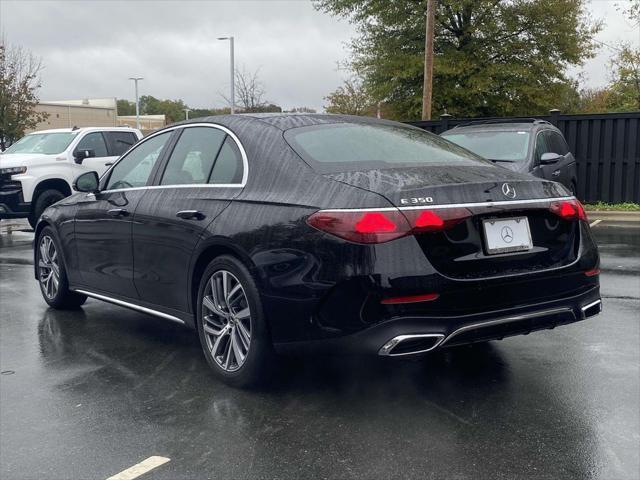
[39,169]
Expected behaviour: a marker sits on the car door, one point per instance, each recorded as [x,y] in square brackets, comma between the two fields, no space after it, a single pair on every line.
[101,158]
[204,172]
[103,221]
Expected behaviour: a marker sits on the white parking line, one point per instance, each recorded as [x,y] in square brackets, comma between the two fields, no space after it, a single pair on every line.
[140,468]
[595,222]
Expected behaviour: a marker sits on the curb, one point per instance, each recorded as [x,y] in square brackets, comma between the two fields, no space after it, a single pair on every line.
[618,217]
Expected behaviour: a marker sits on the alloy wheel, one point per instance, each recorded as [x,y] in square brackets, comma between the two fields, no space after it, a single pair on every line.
[49,267]
[226,319]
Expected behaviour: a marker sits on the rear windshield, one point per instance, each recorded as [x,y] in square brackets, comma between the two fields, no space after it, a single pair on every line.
[508,146]
[347,146]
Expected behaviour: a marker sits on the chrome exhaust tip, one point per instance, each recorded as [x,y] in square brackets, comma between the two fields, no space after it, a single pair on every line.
[411,344]
[591,309]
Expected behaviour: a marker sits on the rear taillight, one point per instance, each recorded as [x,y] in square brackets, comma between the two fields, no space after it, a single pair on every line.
[385,225]
[361,227]
[435,220]
[569,210]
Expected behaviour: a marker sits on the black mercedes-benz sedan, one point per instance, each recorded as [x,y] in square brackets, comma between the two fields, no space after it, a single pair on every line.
[270,233]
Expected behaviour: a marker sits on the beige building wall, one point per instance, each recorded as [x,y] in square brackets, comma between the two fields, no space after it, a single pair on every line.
[147,122]
[66,116]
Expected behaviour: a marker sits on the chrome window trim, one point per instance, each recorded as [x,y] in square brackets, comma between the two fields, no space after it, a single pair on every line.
[243,154]
[451,205]
[132,306]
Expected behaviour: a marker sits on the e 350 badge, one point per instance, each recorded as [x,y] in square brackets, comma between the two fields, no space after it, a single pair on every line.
[416,200]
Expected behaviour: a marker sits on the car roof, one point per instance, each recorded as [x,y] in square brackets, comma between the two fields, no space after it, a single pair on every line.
[85,129]
[498,126]
[285,121]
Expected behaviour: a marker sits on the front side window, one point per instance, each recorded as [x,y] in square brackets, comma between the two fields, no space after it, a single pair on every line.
[344,146]
[193,157]
[134,169]
[557,143]
[95,142]
[542,146]
[42,143]
[497,145]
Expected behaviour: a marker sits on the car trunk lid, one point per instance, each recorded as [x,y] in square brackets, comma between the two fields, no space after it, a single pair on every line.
[444,185]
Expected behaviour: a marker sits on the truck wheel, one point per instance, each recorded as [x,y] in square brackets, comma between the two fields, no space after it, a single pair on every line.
[43,200]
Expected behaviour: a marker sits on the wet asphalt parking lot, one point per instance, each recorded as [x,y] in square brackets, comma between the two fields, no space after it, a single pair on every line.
[89,393]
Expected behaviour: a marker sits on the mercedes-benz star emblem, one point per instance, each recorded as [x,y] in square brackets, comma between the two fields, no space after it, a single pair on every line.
[507,234]
[508,190]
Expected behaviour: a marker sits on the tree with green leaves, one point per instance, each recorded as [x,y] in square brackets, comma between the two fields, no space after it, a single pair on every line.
[351,99]
[491,57]
[19,84]
[125,107]
[625,85]
[172,109]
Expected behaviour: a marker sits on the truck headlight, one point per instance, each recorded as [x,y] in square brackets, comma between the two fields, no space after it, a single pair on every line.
[12,170]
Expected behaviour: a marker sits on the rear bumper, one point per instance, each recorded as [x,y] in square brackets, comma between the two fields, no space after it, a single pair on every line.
[419,334]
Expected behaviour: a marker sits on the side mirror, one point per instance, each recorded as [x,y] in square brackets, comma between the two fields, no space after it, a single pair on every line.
[549,157]
[87,182]
[80,155]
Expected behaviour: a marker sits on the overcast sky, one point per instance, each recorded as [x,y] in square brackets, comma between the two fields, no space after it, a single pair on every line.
[90,48]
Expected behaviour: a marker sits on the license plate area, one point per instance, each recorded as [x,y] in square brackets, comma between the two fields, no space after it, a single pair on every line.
[507,235]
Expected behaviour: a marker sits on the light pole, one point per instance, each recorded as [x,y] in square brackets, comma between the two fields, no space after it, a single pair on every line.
[186,113]
[135,80]
[233,93]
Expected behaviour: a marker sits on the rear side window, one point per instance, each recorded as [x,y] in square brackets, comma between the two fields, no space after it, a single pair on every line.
[93,141]
[193,157]
[228,167]
[120,142]
[345,146]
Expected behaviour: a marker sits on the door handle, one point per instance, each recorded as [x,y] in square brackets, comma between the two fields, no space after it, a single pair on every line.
[190,215]
[108,164]
[118,212]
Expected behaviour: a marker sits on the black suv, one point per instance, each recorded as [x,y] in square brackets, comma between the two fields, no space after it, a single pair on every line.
[522,145]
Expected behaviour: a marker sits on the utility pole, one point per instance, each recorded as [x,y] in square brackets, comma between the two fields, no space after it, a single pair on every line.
[427,88]
[186,113]
[135,80]
[231,73]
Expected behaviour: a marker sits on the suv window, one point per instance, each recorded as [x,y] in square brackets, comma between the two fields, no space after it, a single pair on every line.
[120,142]
[541,146]
[93,141]
[228,167]
[556,142]
[193,157]
[134,169]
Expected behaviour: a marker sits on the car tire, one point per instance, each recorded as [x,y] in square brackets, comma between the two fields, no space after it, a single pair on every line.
[52,275]
[44,200]
[233,332]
